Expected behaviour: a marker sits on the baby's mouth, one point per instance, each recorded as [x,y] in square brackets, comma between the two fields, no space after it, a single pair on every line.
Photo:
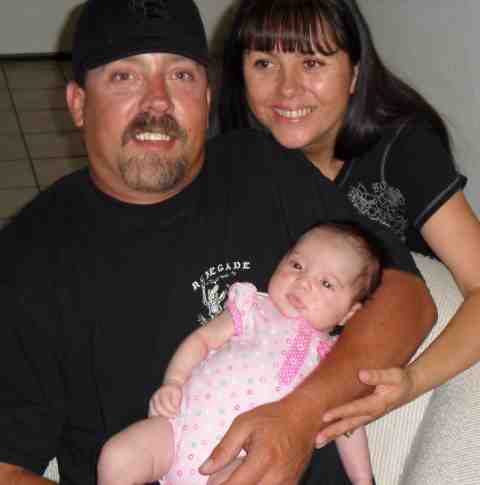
[295,302]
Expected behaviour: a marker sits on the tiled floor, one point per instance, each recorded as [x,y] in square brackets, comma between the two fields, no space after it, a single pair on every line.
[38,141]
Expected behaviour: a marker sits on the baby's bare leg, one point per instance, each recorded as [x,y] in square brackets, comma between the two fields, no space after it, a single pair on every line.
[223,475]
[139,454]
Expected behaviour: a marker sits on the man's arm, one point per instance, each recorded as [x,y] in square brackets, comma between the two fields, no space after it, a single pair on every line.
[15,475]
[279,437]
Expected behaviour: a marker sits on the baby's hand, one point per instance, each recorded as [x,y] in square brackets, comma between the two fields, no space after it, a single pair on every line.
[166,401]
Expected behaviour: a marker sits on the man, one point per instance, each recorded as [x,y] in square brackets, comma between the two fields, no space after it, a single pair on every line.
[107,271]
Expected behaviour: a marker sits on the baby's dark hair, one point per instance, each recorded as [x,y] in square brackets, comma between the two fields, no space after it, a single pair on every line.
[368,246]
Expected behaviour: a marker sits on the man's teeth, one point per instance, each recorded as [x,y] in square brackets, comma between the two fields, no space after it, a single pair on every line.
[296,113]
[148,136]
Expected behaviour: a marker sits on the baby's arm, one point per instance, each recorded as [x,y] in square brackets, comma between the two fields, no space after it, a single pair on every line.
[143,452]
[356,457]
[191,352]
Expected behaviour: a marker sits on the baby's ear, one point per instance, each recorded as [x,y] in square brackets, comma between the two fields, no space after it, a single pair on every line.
[350,313]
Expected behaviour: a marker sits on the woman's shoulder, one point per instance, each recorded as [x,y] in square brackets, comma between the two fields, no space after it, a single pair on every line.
[405,141]
[404,131]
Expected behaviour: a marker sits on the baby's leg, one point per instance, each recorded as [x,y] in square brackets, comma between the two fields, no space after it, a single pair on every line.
[223,475]
[355,457]
[139,454]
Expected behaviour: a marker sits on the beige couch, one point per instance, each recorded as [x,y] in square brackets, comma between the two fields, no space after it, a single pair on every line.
[434,440]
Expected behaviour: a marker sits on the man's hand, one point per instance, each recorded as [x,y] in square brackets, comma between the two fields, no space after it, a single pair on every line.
[393,388]
[278,442]
[166,401]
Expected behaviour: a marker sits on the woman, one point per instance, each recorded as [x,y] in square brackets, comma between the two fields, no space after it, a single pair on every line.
[308,72]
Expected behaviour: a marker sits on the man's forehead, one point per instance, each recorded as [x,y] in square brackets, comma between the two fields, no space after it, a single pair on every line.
[164,57]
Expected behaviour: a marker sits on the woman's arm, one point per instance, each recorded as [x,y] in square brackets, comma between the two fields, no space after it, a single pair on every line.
[453,232]
[195,348]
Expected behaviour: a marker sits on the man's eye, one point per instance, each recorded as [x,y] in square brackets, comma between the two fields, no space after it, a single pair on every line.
[184,76]
[122,76]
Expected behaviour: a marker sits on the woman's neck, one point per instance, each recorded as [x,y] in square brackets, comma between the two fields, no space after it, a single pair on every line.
[326,163]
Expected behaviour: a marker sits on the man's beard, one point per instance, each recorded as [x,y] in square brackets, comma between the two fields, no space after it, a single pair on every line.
[153,172]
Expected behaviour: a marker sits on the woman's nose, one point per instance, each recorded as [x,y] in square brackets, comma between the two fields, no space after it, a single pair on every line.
[289,83]
[157,97]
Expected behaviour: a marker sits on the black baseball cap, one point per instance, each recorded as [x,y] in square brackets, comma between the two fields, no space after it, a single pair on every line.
[109,30]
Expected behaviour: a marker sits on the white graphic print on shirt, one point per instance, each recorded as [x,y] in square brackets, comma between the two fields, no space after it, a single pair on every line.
[384,204]
[214,284]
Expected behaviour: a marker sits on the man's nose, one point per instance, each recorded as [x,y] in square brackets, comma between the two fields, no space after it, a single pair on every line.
[157,97]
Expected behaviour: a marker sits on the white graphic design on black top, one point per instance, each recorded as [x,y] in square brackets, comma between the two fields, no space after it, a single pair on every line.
[385,204]
[214,284]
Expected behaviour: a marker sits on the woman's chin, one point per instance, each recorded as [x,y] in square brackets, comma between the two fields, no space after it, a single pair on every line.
[290,140]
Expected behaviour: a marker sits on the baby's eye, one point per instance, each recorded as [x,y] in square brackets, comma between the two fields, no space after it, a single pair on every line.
[327,284]
[296,265]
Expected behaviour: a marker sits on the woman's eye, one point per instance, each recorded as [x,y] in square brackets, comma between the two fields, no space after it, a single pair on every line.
[262,63]
[313,63]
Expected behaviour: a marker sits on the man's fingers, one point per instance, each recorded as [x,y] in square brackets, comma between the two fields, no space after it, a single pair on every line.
[339,428]
[277,448]
[247,473]
[226,451]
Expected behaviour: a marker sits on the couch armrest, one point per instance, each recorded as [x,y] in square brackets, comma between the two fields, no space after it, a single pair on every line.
[391,437]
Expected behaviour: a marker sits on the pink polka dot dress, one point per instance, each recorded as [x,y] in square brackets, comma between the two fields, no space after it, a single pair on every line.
[268,356]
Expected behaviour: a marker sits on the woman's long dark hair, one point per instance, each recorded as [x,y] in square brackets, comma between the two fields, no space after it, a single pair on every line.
[380,97]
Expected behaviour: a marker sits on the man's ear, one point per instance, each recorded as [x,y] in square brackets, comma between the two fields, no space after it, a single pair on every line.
[76,102]
[350,314]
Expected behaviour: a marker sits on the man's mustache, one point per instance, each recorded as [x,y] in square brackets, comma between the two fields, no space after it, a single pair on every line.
[146,122]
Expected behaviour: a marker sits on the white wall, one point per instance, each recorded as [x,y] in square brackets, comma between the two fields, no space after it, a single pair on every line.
[33,26]
[434,45]
[44,26]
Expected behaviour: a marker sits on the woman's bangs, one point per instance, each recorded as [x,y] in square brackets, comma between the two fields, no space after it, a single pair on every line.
[289,30]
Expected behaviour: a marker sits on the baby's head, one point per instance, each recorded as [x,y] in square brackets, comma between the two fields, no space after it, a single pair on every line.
[332,269]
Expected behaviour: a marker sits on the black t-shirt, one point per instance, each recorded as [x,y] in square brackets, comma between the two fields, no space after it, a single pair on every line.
[96,294]
[403,180]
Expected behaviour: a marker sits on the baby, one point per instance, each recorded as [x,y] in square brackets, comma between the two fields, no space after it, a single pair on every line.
[254,352]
